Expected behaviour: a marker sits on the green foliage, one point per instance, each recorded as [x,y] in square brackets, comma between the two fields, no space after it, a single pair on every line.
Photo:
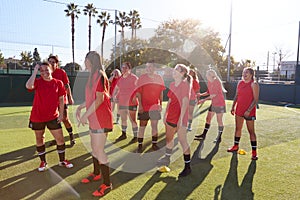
[1,58]
[26,58]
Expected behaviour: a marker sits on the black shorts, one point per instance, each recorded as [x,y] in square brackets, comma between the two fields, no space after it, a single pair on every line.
[192,102]
[250,118]
[51,125]
[172,125]
[152,115]
[217,109]
[102,130]
[132,108]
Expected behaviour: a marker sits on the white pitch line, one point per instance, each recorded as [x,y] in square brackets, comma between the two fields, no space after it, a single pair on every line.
[286,106]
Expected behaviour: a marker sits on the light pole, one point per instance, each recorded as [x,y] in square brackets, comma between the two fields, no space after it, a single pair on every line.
[274,53]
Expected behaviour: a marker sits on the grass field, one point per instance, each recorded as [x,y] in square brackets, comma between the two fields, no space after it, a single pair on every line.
[216,174]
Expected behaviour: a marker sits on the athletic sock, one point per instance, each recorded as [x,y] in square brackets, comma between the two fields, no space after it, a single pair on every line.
[135,131]
[253,145]
[187,160]
[190,123]
[105,173]
[41,152]
[124,128]
[140,141]
[61,152]
[96,166]
[220,130]
[168,153]
[154,139]
[70,130]
[237,141]
[118,118]
[206,128]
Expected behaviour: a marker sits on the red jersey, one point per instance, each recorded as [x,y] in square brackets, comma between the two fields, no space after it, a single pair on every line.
[60,74]
[150,89]
[46,99]
[215,88]
[113,85]
[244,99]
[195,89]
[102,118]
[127,90]
[176,94]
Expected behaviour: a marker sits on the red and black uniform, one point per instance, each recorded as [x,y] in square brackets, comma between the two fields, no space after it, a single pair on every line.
[150,89]
[46,100]
[102,119]
[176,94]
[60,74]
[244,99]
[127,90]
[194,91]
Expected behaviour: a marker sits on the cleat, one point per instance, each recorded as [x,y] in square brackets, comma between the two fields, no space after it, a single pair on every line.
[102,190]
[43,166]
[66,164]
[164,161]
[52,143]
[91,177]
[185,172]
[134,140]
[122,137]
[254,155]
[155,147]
[200,137]
[234,148]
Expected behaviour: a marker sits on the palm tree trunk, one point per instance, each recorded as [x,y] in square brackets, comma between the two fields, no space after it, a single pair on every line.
[90,32]
[102,41]
[73,39]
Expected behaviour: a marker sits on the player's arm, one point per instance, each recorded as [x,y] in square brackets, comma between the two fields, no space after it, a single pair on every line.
[61,109]
[69,94]
[30,81]
[234,100]
[255,90]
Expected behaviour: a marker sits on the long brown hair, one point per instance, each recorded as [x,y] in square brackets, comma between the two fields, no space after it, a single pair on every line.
[96,67]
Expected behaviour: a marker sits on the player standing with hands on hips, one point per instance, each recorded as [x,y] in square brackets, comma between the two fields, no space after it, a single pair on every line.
[244,108]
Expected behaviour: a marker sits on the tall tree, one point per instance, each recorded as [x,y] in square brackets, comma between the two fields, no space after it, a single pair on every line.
[103,20]
[36,55]
[135,22]
[122,20]
[1,58]
[73,12]
[91,11]
[26,58]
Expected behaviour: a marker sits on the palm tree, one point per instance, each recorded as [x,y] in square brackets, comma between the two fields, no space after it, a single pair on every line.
[72,11]
[91,11]
[103,20]
[135,22]
[122,20]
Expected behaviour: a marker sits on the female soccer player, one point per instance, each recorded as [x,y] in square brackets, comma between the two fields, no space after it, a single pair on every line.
[125,89]
[244,108]
[113,80]
[60,74]
[150,87]
[98,115]
[215,93]
[176,117]
[193,99]
[49,93]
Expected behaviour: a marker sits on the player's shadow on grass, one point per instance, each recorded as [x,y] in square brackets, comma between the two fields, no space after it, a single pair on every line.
[232,189]
[181,188]
[33,184]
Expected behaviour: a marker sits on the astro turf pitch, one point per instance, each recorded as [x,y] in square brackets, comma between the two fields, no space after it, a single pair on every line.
[216,174]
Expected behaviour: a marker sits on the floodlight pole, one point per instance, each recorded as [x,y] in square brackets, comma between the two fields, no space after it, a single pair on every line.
[229,46]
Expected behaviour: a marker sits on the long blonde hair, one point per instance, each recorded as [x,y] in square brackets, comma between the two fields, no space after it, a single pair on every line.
[212,73]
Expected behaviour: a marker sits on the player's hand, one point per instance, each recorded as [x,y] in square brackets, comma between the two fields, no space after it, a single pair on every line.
[232,111]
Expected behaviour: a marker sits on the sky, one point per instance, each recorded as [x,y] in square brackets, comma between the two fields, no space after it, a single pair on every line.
[258,26]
